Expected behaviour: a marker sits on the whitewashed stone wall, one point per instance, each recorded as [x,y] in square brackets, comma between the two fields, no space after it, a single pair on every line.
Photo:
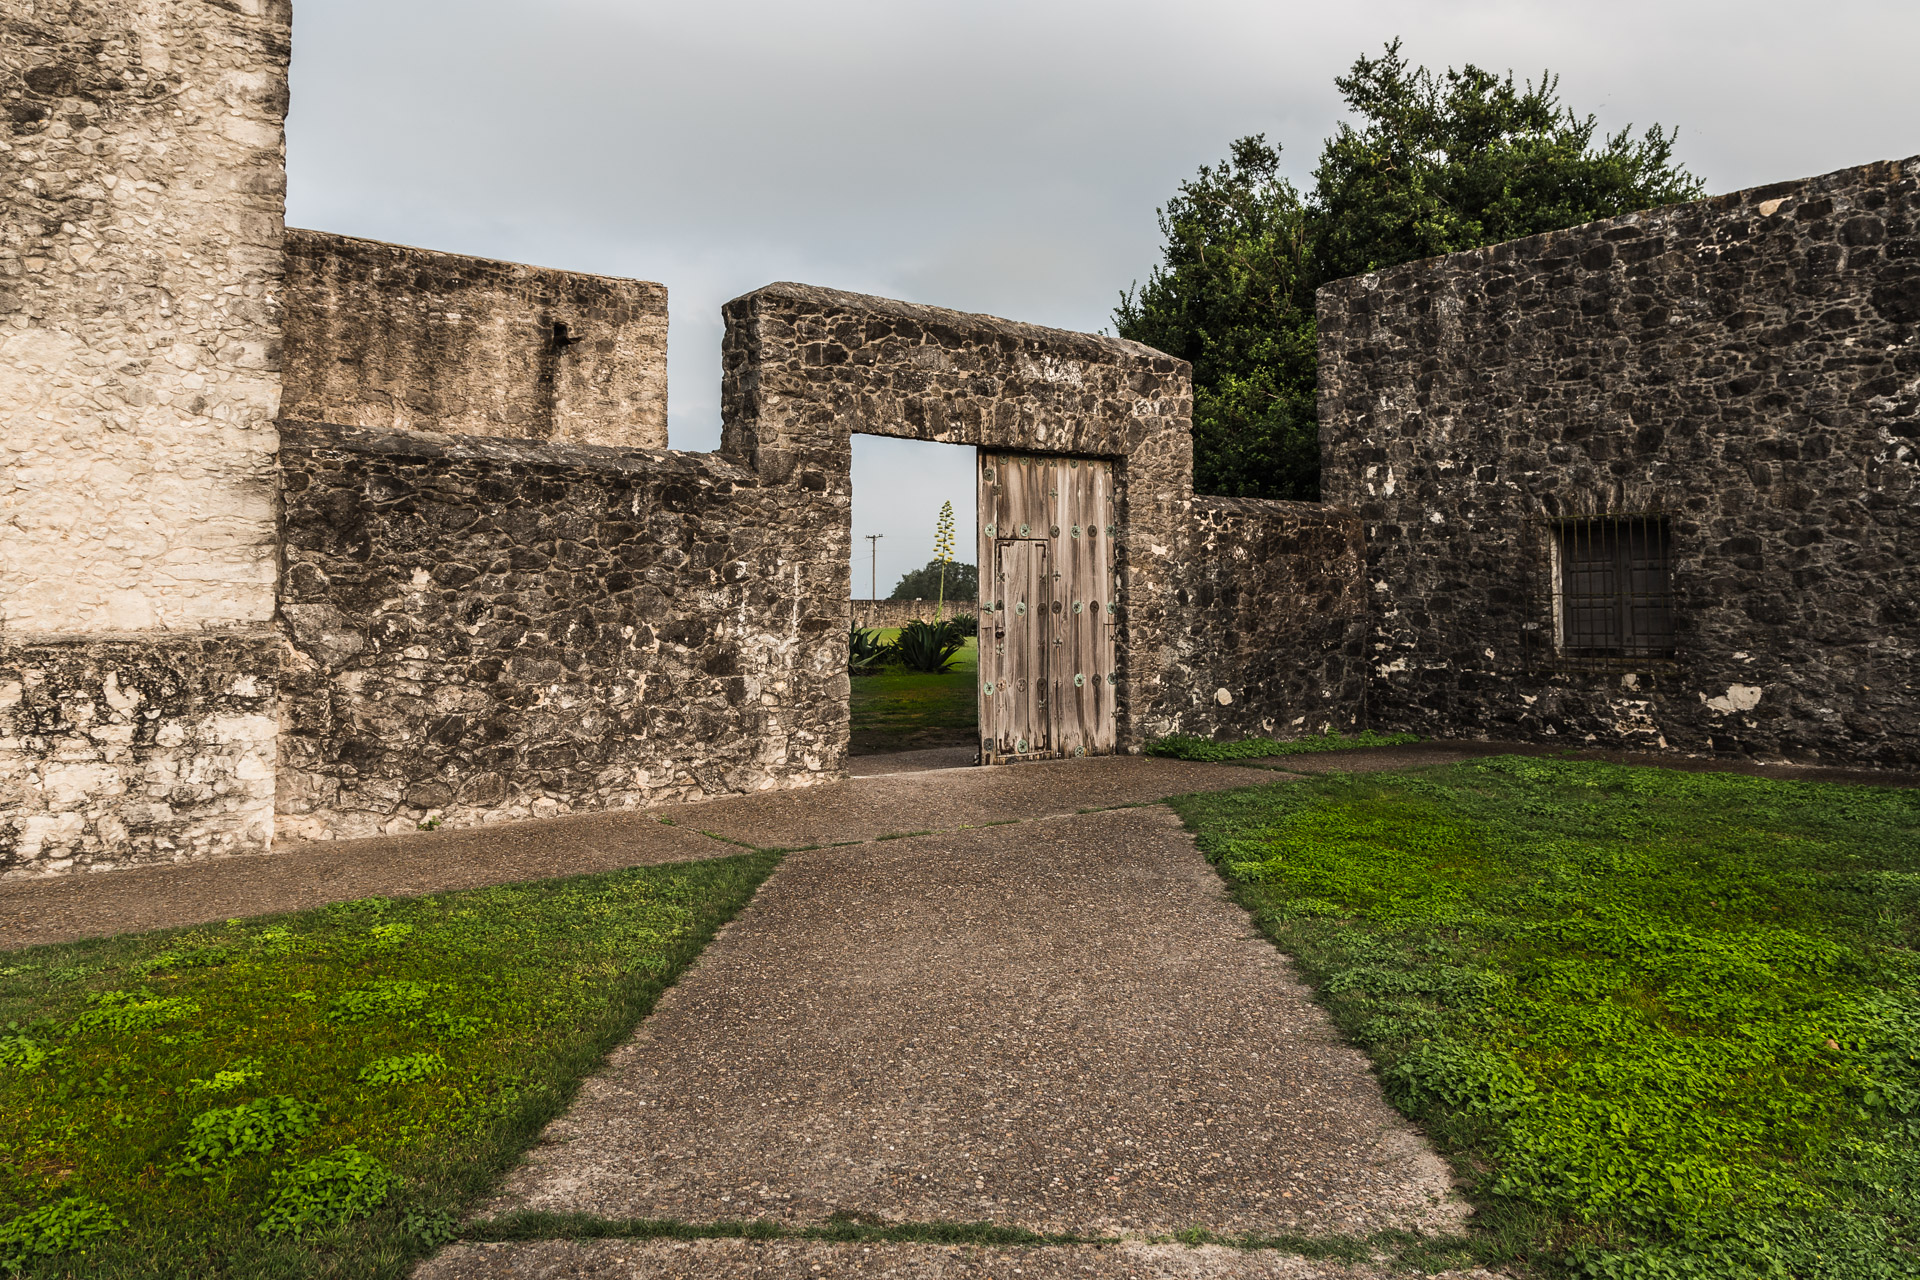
[142,178]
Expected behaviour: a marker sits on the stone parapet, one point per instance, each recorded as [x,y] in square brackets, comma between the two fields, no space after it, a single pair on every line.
[390,336]
[141,194]
[886,614]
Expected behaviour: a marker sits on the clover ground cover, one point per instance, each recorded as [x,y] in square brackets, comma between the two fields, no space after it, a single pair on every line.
[321,1093]
[1667,1024]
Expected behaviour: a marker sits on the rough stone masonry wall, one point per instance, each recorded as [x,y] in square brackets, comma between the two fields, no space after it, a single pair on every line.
[1272,631]
[141,184]
[122,752]
[383,335]
[804,368]
[1748,366]
[486,629]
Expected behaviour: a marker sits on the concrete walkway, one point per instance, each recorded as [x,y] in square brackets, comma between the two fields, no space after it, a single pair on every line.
[1029,1016]
[902,797]
[908,792]
[1060,1025]
[816,1260]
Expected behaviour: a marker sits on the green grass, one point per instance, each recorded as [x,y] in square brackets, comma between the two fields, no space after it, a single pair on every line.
[1667,1024]
[1188,747]
[318,1094]
[902,710]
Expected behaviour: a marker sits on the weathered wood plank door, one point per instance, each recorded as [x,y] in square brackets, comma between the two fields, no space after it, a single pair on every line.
[1048,607]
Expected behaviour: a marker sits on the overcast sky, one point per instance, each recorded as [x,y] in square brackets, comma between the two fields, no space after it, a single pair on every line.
[998,157]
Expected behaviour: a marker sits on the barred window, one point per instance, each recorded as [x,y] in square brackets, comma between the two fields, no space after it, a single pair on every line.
[1615,598]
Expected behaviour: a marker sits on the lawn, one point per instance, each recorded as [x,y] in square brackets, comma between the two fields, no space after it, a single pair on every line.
[318,1094]
[1666,1024]
[902,710]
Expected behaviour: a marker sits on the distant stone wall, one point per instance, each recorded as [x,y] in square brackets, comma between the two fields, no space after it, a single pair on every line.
[1746,367]
[383,335]
[486,629]
[1273,623]
[898,613]
[803,369]
[115,753]
[140,246]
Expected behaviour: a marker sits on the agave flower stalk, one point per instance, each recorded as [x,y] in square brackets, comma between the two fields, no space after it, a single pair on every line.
[943,552]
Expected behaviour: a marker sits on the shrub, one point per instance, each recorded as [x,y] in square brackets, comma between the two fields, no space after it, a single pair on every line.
[865,652]
[389,998]
[24,1054]
[129,1011]
[403,1069]
[928,646]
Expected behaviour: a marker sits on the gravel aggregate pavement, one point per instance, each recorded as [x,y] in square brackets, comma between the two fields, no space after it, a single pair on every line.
[817,1260]
[1060,1025]
[297,876]
[865,808]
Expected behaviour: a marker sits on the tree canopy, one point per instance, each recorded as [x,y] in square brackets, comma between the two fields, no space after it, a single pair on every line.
[1430,164]
[963,582]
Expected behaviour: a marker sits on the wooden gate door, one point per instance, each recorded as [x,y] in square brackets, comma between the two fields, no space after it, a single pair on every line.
[1048,607]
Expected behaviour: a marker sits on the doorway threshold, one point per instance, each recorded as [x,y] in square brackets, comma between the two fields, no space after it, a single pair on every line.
[924,760]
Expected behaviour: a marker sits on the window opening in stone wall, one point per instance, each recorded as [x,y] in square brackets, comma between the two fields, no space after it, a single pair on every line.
[1613,588]
[897,549]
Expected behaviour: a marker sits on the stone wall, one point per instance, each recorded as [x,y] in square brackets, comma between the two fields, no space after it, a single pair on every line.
[803,369]
[141,185]
[140,252]
[1273,622]
[487,629]
[484,595]
[115,753]
[898,613]
[1747,367]
[383,335]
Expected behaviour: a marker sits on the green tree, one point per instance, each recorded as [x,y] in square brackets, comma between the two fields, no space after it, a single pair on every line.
[1440,163]
[962,582]
[1432,164]
[1233,296]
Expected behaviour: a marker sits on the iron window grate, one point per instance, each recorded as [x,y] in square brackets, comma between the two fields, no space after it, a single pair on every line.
[1613,592]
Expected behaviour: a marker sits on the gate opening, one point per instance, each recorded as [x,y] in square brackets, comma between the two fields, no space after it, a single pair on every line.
[901,700]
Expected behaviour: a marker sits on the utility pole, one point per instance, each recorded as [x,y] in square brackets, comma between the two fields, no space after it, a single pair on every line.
[873,582]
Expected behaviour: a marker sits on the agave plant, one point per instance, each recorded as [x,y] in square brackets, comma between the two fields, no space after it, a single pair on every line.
[865,652]
[928,646]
